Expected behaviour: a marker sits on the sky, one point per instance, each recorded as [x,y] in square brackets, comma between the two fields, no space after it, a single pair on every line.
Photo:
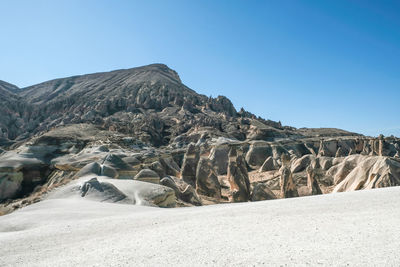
[304,63]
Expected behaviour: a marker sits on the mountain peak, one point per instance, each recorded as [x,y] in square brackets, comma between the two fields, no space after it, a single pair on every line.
[158,71]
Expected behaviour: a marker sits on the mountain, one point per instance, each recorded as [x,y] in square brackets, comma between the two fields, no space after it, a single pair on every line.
[13,109]
[150,103]
[9,87]
[143,124]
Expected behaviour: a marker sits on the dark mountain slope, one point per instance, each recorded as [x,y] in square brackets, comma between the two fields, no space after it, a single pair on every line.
[14,114]
[9,87]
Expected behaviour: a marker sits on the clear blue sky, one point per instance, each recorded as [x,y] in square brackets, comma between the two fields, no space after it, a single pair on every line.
[306,63]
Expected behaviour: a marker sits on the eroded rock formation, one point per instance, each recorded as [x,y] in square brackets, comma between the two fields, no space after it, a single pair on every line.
[261,192]
[312,182]
[288,187]
[189,165]
[238,176]
[144,124]
[206,179]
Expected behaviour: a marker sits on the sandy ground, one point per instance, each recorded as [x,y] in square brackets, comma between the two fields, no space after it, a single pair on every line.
[357,229]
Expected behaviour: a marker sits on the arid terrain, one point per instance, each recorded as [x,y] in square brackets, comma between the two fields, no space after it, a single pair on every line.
[91,150]
[144,125]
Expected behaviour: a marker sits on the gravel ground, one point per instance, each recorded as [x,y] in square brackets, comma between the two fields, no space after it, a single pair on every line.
[357,229]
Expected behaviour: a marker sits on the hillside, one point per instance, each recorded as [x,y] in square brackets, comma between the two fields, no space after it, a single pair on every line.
[141,136]
[149,103]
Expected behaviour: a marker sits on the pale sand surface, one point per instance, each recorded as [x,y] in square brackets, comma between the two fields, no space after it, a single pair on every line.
[357,229]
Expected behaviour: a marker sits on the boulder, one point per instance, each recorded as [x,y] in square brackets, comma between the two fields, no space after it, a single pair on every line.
[132,161]
[147,175]
[158,168]
[261,192]
[183,191]
[101,191]
[206,179]
[113,190]
[116,162]
[109,171]
[170,166]
[93,168]
[170,182]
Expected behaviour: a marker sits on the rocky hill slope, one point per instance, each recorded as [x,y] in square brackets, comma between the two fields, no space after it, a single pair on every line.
[15,114]
[150,103]
[173,147]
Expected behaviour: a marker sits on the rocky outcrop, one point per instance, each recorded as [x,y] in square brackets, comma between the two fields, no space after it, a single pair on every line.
[312,182]
[170,166]
[93,168]
[144,124]
[370,172]
[261,192]
[269,164]
[189,165]
[288,187]
[147,175]
[20,173]
[101,191]
[206,179]
[257,154]
[183,191]
[301,164]
[238,177]
[219,158]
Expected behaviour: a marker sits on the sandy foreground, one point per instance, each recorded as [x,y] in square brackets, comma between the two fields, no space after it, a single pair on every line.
[358,229]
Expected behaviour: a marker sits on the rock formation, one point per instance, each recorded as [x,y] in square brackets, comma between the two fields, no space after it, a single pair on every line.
[189,165]
[144,125]
[261,192]
[183,191]
[147,175]
[312,182]
[288,187]
[369,172]
[206,179]
[95,190]
[269,164]
[238,176]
